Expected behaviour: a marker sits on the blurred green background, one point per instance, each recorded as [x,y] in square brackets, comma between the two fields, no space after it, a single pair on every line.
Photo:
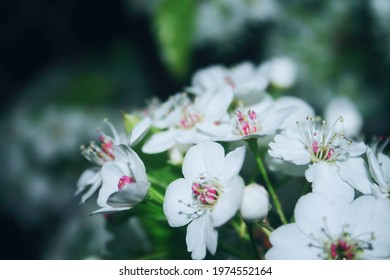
[67,64]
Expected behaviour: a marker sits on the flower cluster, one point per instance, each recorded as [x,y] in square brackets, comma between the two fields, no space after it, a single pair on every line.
[224,121]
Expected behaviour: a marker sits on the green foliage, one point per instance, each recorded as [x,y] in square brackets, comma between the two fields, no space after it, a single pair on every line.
[174,25]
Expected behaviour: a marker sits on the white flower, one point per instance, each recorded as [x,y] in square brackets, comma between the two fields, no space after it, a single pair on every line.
[333,162]
[281,71]
[257,121]
[208,195]
[303,110]
[90,180]
[255,203]
[125,183]
[247,81]
[183,121]
[353,119]
[379,165]
[334,230]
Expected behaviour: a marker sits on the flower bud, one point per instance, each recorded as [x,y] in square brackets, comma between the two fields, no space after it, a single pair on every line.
[255,203]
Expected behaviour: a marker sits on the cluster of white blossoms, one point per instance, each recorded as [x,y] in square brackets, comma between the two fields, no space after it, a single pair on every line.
[345,216]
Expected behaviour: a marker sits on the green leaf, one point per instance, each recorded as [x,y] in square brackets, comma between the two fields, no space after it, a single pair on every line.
[174,24]
[130,121]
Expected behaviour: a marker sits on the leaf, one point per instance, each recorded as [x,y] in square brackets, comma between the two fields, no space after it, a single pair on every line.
[174,24]
[130,121]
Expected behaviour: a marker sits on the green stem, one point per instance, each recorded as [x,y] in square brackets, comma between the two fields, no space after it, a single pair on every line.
[250,228]
[266,228]
[156,182]
[306,188]
[240,228]
[253,146]
[156,196]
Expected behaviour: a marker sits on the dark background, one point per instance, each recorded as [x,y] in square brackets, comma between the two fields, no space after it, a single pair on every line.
[38,38]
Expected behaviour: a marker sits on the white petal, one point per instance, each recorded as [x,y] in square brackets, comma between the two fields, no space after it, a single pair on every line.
[355,172]
[360,214]
[214,129]
[160,142]
[129,195]
[384,161]
[289,243]
[242,71]
[211,238]
[381,227]
[111,173]
[88,177]
[286,167]
[375,168]
[204,157]
[124,153]
[326,180]
[289,149]
[357,149]
[92,189]
[191,136]
[178,197]
[218,104]
[196,237]
[229,202]
[139,131]
[108,210]
[209,78]
[314,213]
[265,102]
[231,165]
[368,216]
[272,118]
[304,110]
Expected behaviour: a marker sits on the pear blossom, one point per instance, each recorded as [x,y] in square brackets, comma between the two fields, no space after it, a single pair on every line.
[125,182]
[182,123]
[247,81]
[302,111]
[90,180]
[280,71]
[334,230]
[256,121]
[379,164]
[208,195]
[333,162]
[255,203]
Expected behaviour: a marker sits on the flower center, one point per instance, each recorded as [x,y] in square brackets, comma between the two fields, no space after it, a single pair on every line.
[100,154]
[323,142]
[206,191]
[125,180]
[189,117]
[246,124]
[345,248]
[107,146]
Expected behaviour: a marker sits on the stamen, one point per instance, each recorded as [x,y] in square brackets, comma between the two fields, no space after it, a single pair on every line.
[125,180]
[206,191]
[189,116]
[192,215]
[323,143]
[246,124]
